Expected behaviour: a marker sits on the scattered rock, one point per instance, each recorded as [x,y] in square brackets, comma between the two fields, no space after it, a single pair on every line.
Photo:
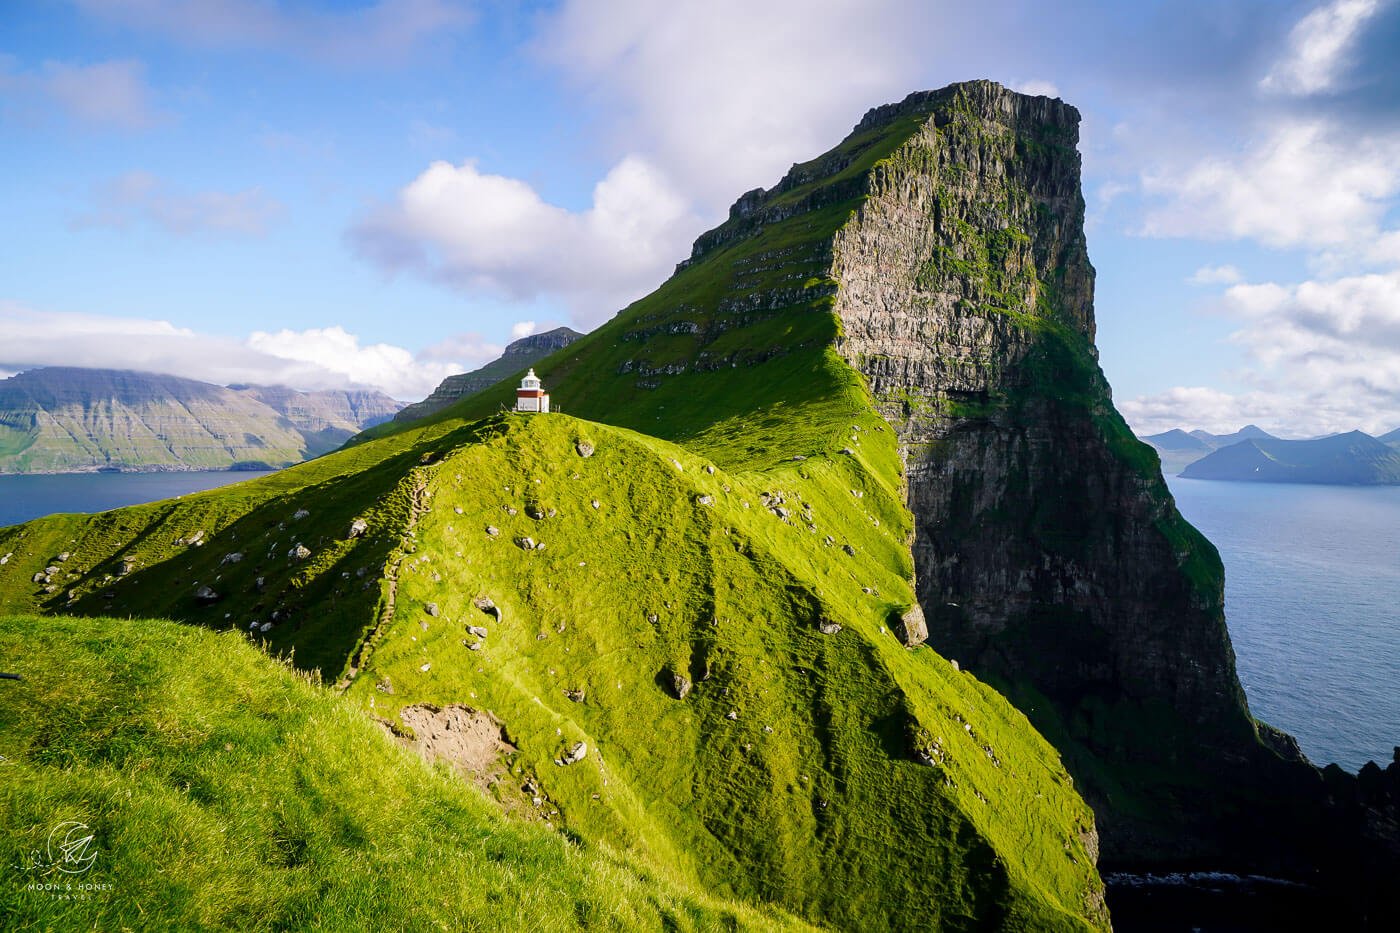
[709,469]
[265,627]
[680,685]
[535,512]
[457,509]
[584,448]
[485,604]
[260,583]
[385,685]
[594,503]
[525,544]
[424,668]
[299,514]
[206,594]
[50,570]
[848,451]
[300,552]
[194,540]
[827,627]
[798,458]
[911,627]
[704,500]
[431,609]
[492,530]
[358,527]
[232,558]
[955,664]
[63,557]
[732,715]
[576,753]
[39,577]
[473,646]
[848,549]
[477,630]
[576,696]
[6,559]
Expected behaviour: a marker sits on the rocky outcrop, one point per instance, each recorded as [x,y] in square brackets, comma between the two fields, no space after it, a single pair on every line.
[518,355]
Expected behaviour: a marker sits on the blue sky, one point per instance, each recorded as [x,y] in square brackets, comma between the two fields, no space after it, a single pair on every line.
[383,193]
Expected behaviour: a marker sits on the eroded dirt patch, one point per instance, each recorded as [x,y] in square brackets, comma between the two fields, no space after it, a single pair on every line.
[473,742]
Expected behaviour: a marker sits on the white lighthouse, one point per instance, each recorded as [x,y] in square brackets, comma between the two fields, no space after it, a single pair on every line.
[531,396]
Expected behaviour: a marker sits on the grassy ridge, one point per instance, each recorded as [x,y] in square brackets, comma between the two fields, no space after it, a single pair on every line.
[226,791]
[828,814]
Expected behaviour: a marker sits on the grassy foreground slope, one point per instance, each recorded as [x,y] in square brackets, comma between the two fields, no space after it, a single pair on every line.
[224,790]
[791,773]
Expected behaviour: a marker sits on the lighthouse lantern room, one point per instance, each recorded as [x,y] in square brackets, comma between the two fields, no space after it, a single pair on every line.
[530,396]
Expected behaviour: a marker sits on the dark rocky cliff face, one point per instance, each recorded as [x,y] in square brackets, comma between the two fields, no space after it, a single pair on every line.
[1049,555]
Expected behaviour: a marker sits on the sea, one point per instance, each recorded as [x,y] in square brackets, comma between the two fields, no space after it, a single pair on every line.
[1312,600]
[25,497]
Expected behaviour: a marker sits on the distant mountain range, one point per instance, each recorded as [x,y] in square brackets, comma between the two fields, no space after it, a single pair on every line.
[1253,455]
[70,420]
[518,355]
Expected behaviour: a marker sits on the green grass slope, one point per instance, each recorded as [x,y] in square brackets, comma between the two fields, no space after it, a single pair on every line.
[224,791]
[812,797]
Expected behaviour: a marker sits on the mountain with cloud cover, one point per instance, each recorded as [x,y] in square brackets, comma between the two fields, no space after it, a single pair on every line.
[71,420]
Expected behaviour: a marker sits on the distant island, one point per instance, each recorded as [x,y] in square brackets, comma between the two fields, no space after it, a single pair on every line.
[1253,455]
[72,420]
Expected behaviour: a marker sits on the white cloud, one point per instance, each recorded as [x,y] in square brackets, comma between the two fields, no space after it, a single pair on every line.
[1209,409]
[522,329]
[1037,88]
[1215,275]
[471,229]
[386,31]
[1307,184]
[140,196]
[726,94]
[1318,46]
[467,350]
[104,94]
[317,358]
[1325,355]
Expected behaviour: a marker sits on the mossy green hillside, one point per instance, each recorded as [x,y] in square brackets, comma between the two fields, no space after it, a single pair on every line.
[226,791]
[678,570]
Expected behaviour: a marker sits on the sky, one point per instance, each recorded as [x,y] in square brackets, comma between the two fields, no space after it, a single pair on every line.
[379,194]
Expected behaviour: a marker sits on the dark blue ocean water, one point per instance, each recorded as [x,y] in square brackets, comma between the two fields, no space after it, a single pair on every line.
[26,497]
[1312,598]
